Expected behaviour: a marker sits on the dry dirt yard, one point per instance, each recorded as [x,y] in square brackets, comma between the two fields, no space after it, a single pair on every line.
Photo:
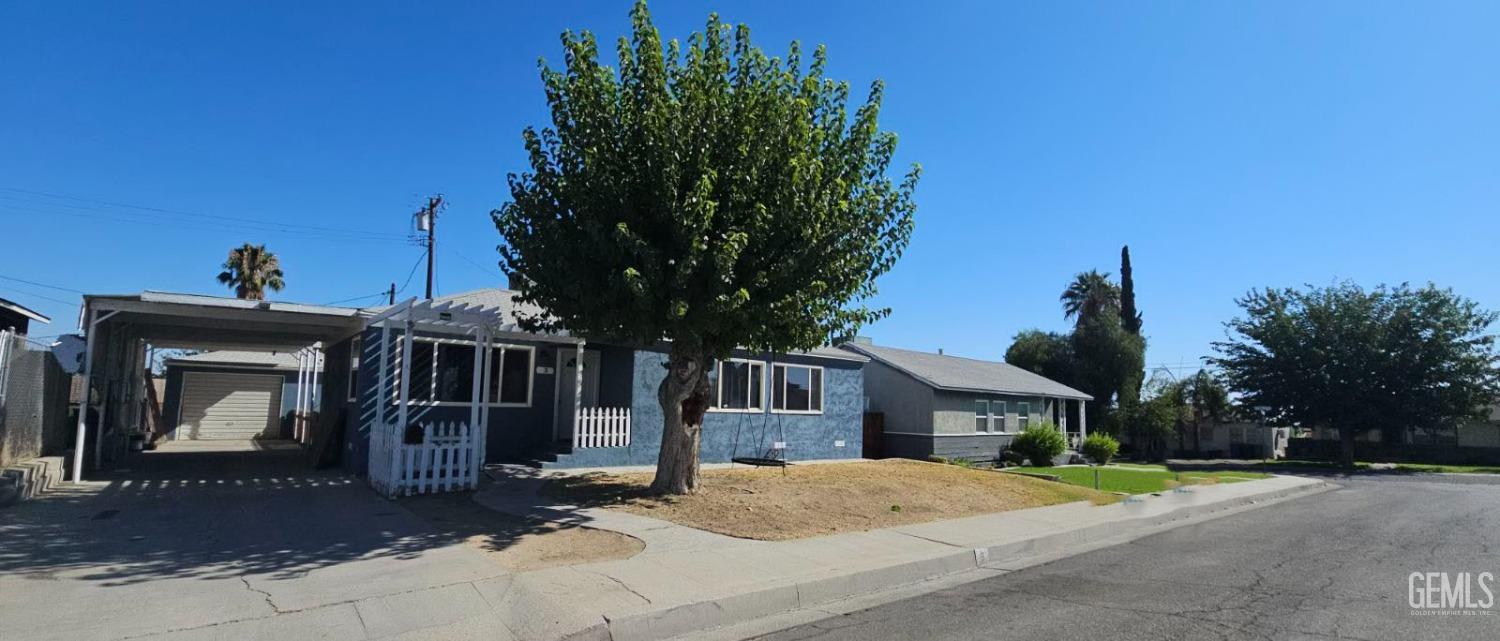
[817,499]
[515,543]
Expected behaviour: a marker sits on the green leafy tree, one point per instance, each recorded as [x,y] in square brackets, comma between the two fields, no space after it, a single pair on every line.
[709,196]
[1130,317]
[1046,353]
[1356,360]
[250,270]
[1090,295]
[1108,359]
[1206,400]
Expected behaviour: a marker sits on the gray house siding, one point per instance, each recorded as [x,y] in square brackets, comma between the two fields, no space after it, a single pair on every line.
[906,402]
[836,433]
[921,421]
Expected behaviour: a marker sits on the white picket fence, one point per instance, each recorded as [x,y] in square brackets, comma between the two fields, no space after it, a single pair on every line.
[447,459]
[602,427]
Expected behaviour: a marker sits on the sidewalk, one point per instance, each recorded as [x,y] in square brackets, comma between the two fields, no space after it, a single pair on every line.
[687,580]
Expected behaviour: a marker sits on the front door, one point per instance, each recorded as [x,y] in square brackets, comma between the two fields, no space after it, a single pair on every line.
[569,374]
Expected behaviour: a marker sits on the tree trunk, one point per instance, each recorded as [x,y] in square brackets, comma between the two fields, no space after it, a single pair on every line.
[1346,447]
[683,396]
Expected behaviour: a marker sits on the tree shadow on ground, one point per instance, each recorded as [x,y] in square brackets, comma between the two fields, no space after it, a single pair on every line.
[205,514]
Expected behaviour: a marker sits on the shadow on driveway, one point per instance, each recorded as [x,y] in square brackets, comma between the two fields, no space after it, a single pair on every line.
[196,512]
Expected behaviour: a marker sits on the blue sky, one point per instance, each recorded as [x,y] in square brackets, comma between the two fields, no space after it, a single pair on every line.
[1232,145]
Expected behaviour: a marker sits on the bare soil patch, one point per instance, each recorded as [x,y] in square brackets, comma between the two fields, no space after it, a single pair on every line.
[818,499]
[519,544]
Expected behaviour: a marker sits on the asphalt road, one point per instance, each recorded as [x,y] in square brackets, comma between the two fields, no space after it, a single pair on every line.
[1329,566]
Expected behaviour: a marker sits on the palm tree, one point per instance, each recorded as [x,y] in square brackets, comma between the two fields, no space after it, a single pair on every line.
[250,270]
[1090,294]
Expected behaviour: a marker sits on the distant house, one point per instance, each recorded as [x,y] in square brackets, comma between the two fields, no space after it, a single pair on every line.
[17,317]
[955,407]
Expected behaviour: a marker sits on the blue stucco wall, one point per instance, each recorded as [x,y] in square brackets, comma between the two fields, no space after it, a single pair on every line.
[728,434]
[172,395]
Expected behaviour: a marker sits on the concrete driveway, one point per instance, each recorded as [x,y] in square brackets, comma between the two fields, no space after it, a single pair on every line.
[235,541]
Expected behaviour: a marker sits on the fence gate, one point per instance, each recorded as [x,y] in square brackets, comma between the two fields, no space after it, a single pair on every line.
[444,458]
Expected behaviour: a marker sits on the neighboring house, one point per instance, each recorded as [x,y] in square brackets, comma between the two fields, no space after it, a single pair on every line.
[17,317]
[1481,433]
[954,407]
[230,395]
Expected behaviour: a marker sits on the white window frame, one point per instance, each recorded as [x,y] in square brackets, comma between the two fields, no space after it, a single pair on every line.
[997,421]
[504,348]
[987,416]
[1023,416]
[749,385]
[354,353]
[822,388]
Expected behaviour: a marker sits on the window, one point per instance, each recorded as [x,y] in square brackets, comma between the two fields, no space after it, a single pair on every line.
[1023,416]
[739,385]
[797,388]
[354,347]
[998,417]
[443,373]
[981,416]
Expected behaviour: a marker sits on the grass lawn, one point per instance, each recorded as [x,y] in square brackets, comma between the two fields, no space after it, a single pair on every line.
[1447,469]
[1139,479]
[817,499]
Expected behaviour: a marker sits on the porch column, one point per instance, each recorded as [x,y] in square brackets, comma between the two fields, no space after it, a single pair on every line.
[484,408]
[384,385]
[476,396]
[314,369]
[405,398]
[1083,420]
[577,388]
[1062,414]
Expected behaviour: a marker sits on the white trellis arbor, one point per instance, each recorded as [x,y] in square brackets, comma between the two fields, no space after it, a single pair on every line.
[436,456]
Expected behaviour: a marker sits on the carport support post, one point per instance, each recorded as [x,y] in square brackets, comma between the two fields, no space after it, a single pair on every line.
[297,404]
[317,365]
[385,385]
[79,441]
[484,409]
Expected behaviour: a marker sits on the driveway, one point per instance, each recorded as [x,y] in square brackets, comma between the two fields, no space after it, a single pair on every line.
[1329,566]
[234,541]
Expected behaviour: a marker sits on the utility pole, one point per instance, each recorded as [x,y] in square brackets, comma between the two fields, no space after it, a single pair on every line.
[392,296]
[427,221]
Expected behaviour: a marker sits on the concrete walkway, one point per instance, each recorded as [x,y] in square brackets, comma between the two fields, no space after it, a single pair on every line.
[687,580]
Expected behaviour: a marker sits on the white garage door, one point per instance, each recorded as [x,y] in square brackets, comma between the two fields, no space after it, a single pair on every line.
[229,406]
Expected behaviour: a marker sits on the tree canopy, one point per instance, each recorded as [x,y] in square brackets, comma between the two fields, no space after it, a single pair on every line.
[1355,360]
[250,270]
[1130,317]
[1091,294]
[708,195]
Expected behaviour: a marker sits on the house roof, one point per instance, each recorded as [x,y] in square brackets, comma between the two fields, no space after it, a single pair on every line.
[236,358]
[966,374]
[23,310]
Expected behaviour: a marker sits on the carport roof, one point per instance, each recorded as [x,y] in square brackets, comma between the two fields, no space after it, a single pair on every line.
[172,320]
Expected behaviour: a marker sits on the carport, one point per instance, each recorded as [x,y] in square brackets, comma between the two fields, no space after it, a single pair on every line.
[120,329]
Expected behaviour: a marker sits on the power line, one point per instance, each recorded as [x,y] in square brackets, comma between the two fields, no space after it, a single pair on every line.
[414,267]
[354,298]
[471,261]
[181,213]
[30,282]
[152,219]
[55,300]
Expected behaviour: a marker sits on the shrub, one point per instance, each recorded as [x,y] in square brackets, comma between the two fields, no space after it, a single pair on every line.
[1013,457]
[1040,444]
[1100,448]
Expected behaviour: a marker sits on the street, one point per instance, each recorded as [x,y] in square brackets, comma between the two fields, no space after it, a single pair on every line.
[1333,565]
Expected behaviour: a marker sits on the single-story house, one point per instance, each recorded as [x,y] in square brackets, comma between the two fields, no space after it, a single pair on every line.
[955,407]
[17,318]
[231,395]
[393,387]
[804,406]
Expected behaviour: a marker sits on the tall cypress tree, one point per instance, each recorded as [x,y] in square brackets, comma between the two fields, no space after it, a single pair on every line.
[1130,319]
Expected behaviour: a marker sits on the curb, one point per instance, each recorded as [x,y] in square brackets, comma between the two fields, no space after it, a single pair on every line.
[696,618]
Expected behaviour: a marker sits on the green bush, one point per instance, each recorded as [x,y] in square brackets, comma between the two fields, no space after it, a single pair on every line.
[1100,448]
[1040,444]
